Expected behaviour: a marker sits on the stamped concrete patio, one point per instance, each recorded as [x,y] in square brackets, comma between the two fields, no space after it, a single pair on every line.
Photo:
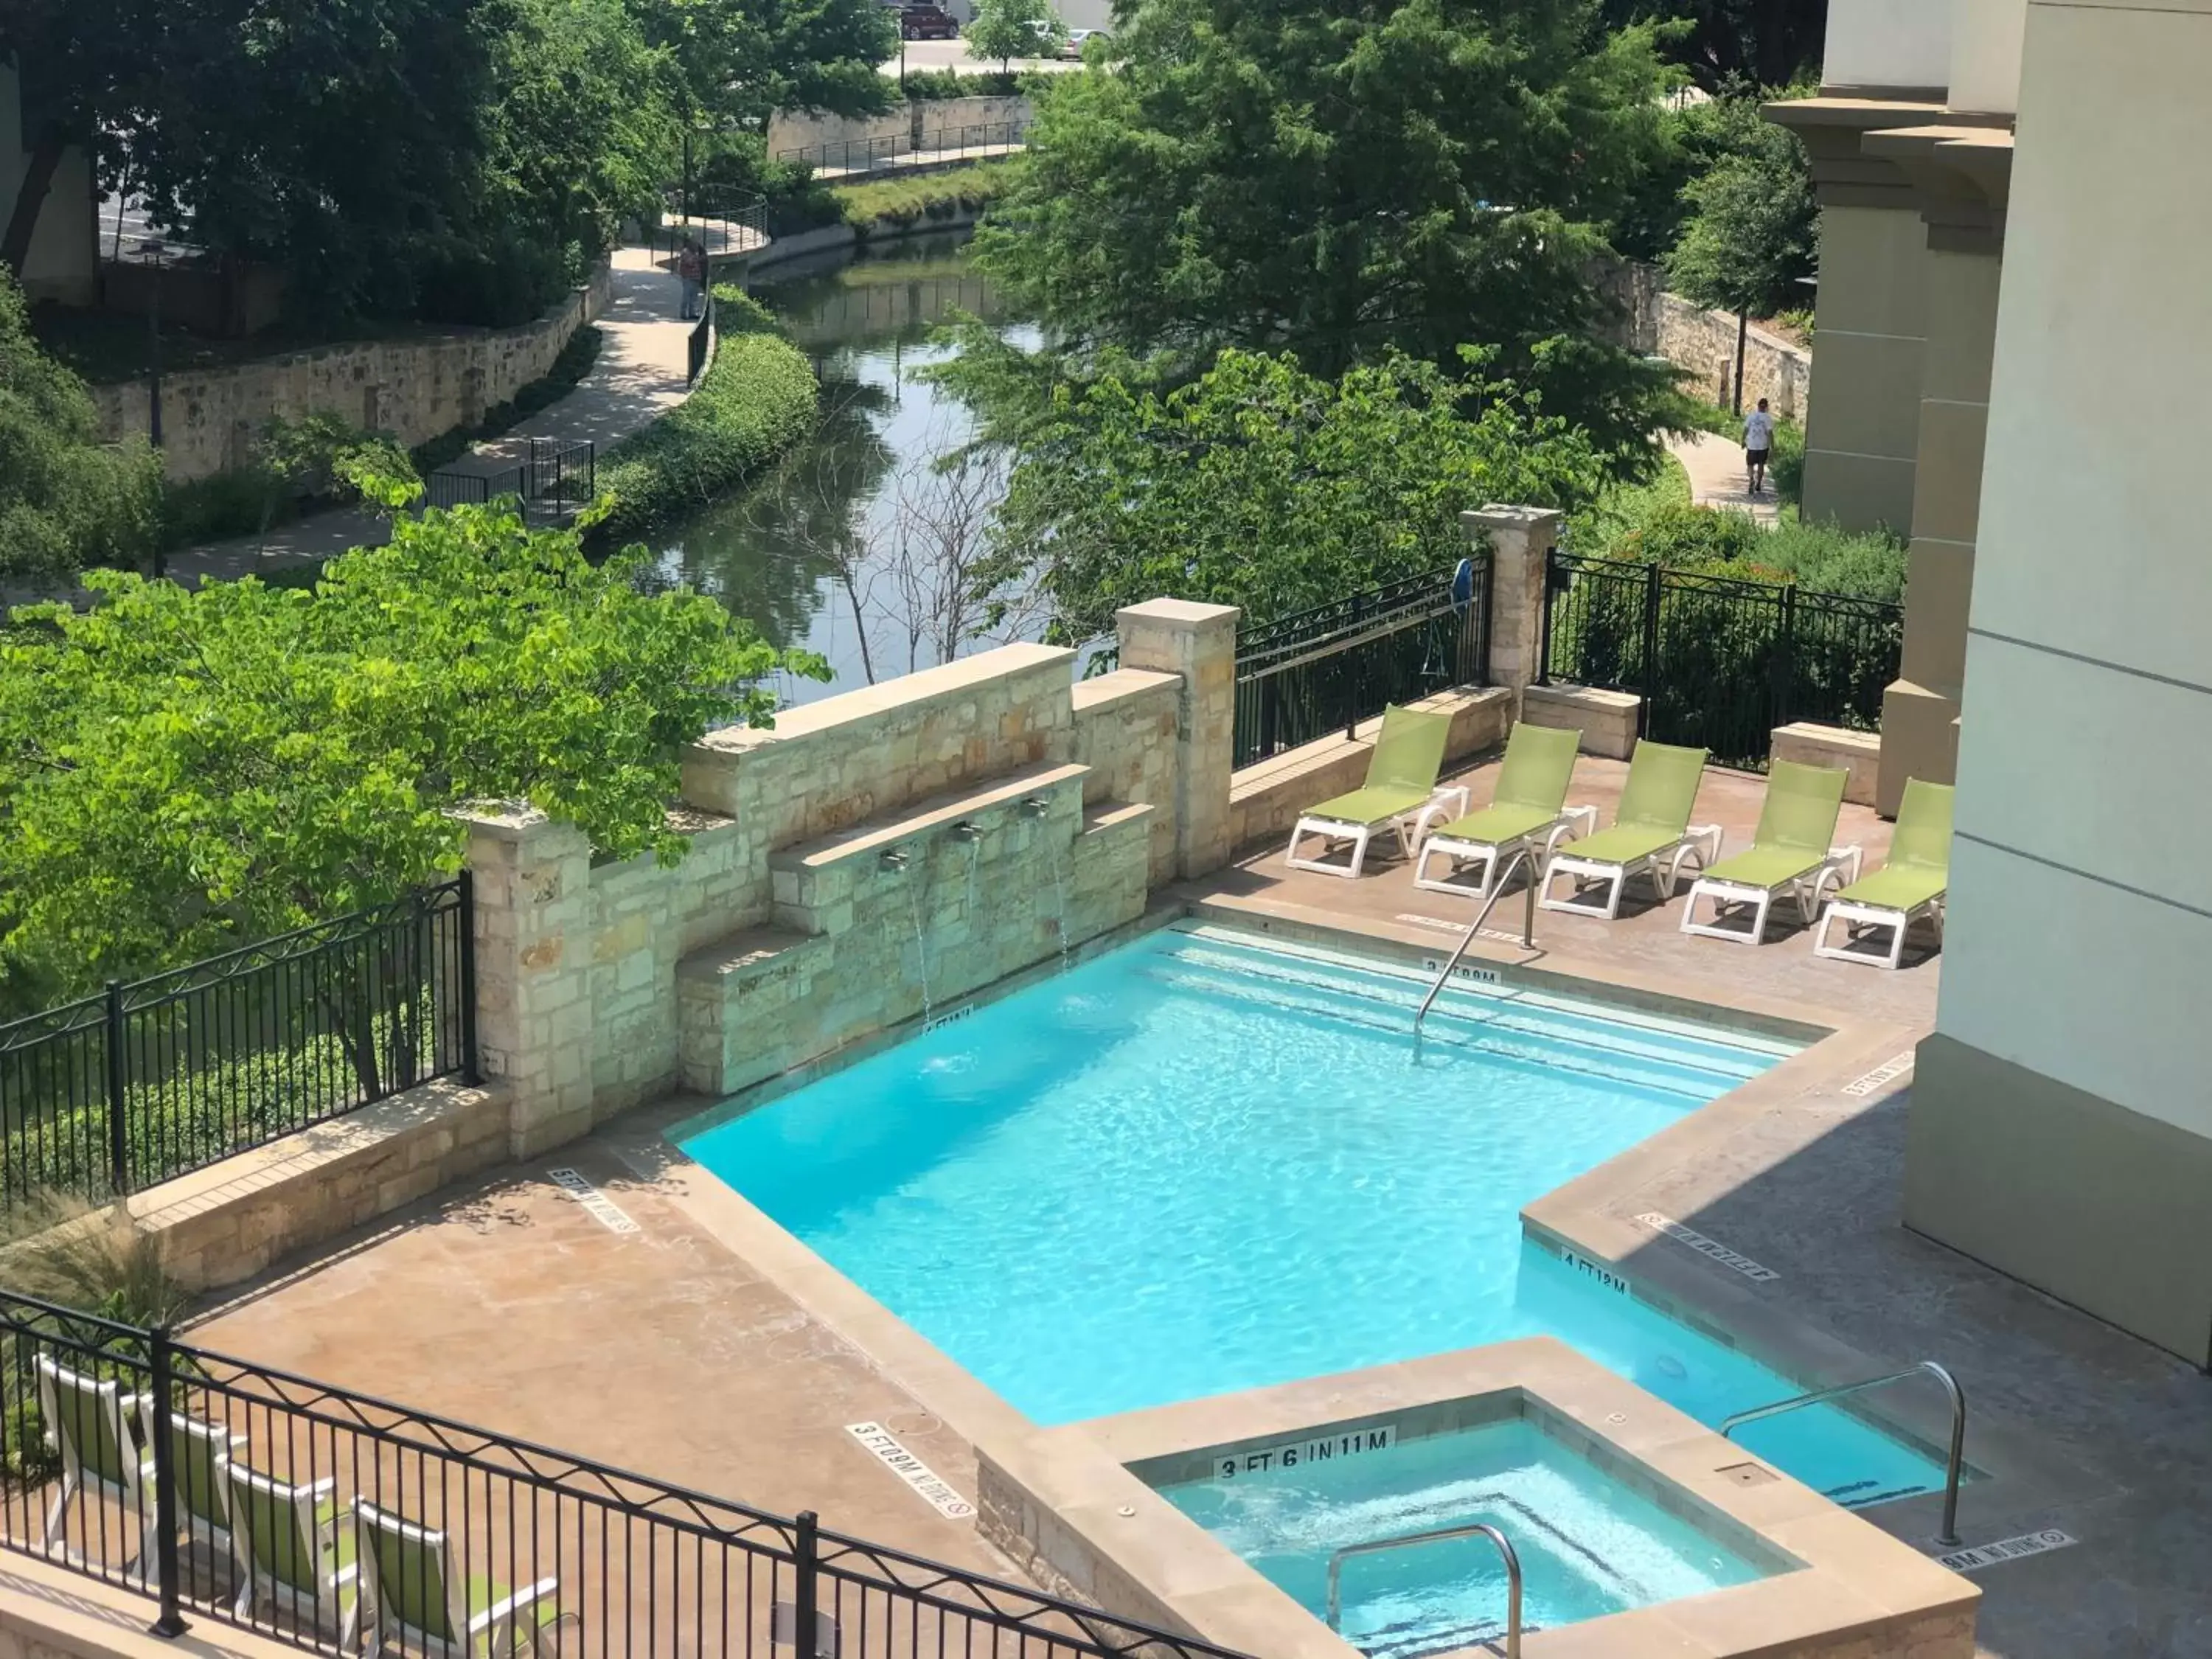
[705,1349]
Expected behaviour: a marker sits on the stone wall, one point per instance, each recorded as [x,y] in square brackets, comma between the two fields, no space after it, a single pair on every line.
[1704,343]
[415,388]
[991,805]
[907,128]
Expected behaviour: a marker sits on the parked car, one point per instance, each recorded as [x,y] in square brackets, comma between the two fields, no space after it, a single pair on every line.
[1073,48]
[928,23]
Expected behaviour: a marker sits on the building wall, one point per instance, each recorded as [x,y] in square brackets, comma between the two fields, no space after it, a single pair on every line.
[1863,439]
[415,389]
[1985,44]
[2062,1126]
[63,262]
[1888,44]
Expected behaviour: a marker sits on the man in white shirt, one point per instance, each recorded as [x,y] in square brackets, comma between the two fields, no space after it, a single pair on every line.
[1758,445]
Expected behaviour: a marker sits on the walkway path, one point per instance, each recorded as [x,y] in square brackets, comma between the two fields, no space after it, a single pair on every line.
[1715,465]
[638,376]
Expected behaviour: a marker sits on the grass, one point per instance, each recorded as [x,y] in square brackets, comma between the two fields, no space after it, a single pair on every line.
[757,399]
[931,195]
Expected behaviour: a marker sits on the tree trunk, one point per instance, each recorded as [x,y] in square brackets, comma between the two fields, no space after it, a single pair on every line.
[45,159]
[1743,337]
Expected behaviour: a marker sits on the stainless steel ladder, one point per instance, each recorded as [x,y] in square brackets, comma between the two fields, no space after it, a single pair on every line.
[1526,857]
[1948,1538]
[1376,1546]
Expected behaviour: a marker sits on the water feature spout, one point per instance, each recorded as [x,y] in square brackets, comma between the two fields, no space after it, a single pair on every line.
[893,858]
[1035,806]
[965,831]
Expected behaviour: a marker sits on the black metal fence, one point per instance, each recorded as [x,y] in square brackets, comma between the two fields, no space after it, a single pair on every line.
[701,344]
[557,476]
[906,150]
[338,1522]
[1304,675]
[1719,662]
[149,1079]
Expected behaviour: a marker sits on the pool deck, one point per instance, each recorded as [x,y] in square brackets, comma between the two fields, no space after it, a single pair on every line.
[708,1350]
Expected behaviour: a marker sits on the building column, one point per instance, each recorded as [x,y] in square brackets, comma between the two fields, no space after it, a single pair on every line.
[1521,540]
[533,969]
[1199,643]
[1961,180]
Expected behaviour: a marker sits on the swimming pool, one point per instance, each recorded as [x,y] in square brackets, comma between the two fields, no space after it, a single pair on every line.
[1197,1164]
[1588,1543]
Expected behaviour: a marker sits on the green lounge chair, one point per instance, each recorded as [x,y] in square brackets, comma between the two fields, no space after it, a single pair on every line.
[1791,856]
[1912,884]
[1402,780]
[1651,834]
[1529,811]
[413,1602]
[94,1425]
[291,1552]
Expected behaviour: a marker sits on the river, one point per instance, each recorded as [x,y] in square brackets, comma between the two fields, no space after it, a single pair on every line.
[859,545]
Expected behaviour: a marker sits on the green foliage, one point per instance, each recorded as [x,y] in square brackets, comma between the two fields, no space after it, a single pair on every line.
[183,770]
[731,63]
[933,196]
[930,85]
[1341,181]
[63,1250]
[1008,29]
[67,500]
[1261,486]
[322,455]
[1787,466]
[756,399]
[1725,43]
[1752,231]
[1660,527]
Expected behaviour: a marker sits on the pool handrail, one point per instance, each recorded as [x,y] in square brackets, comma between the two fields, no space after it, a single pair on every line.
[1525,856]
[1948,1538]
[1376,1545]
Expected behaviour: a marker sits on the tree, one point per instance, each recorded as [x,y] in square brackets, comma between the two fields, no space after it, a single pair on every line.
[1008,29]
[1753,228]
[1768,42]
[1342,182]
[1261,486]
[735,62]
[182,771]
[67,499]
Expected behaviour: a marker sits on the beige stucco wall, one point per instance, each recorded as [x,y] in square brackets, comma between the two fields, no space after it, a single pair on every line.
[1888,44]
[1862,438]
[415,389]
[63,262]
[2081,913]
[1985,46]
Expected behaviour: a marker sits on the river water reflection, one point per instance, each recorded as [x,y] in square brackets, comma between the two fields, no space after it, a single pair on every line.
[857,544]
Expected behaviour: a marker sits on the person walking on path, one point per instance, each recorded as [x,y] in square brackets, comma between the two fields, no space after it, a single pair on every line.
[1758,445]
[691,268]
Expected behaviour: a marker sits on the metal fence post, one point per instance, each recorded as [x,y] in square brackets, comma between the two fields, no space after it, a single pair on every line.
[805,1589]
[1782,665]
[172,1621]
[1649,675]
[470,1073]
[118,1137]
[1555,583]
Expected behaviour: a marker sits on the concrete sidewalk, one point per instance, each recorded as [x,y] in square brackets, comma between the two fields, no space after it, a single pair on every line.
[1715,465]
[639,376]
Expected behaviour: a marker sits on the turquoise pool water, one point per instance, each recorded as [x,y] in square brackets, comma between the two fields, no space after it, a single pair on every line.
[1194,1165]
[1588,1545]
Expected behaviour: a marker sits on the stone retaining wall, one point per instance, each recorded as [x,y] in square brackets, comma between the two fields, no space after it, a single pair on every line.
[906,128]
[417,388]
[1704,343]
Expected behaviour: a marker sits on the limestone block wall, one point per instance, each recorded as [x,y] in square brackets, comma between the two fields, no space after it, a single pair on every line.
[902,129]
[415,388]
[1124,731]
[1704,343]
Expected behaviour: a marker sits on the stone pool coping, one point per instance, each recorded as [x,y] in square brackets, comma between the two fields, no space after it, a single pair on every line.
[1065,1503]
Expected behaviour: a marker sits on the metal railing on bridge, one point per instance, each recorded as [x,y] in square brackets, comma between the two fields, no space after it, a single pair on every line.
[905,150]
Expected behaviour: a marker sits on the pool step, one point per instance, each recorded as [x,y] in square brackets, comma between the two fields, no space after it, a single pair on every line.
[1422,1641]
[1534,1029]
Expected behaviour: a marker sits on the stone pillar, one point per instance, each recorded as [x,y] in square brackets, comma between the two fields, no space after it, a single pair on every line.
[533,965]
[1199,642]
[1521,542]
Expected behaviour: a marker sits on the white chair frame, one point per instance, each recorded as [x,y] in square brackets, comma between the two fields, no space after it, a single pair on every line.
[1492,856]
[1861,918]
[1841,867]
[1700,846]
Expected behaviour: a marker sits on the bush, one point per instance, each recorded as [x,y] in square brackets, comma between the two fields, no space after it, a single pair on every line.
[67,499]
[756,399]
[1656,526]
[906,202]
[928,85]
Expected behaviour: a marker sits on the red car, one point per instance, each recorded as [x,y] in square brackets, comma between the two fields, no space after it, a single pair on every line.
[928,23]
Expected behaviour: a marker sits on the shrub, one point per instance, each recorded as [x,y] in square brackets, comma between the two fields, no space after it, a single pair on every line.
[928,85]
[756,399]
[934,196]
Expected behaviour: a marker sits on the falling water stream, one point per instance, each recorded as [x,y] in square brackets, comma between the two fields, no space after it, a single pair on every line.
[920,946]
